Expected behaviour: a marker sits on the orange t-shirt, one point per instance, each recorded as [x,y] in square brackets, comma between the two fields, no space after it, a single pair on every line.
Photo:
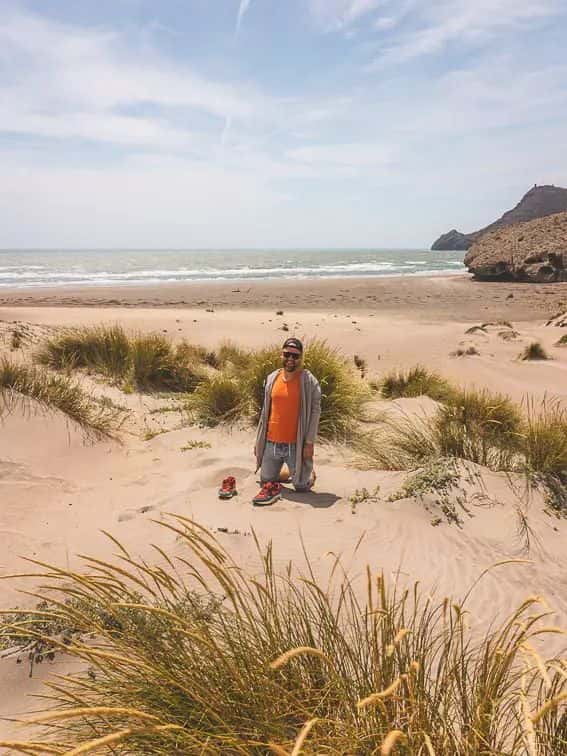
[284,414]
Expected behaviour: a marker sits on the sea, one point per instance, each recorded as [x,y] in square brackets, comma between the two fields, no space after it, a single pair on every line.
[55,268]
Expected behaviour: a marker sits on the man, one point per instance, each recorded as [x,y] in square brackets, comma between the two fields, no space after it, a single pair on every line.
[288,425]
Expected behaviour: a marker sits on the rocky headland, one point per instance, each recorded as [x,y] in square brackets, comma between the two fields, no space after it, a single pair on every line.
[539,202]
[535,251]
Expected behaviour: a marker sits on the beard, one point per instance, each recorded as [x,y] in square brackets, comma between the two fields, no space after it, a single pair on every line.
[290,365]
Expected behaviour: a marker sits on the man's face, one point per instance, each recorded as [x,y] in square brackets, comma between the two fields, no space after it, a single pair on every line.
[291,359]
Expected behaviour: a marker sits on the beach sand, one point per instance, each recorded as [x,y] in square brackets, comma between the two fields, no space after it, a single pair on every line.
[58,493]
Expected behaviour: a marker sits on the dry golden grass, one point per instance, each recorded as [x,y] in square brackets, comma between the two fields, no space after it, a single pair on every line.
[278,664]
[23,383]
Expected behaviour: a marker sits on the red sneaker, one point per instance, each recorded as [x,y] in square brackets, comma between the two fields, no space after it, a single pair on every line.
[268,494]
[228,488]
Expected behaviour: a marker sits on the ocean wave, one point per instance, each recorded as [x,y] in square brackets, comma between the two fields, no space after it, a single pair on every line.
[212,273]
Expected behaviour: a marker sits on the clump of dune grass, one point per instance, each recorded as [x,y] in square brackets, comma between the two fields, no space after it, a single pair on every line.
[23,383]
[562,341]
[149,362]
[343,393]
[405,442]
[480,426]
[218,399]
[417,381]
[16,339]
[276,664]
[534,351]
[545,437]
[233,356]
[474,425]
[261,363]
[102,349]
[158,365]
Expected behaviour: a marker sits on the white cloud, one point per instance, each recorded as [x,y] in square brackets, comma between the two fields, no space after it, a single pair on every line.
[71,82]
[333,15]
[466,21]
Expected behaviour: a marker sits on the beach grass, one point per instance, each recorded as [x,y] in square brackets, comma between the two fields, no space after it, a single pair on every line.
[261,363]
[231,355]
[282,665]
[534,351]
[545,437]
[417,381]
[343,392]
[20,382]
[405,442]
[218,399]
[102,349]
[479,426]
[159,366]
[474,424]
[148,362]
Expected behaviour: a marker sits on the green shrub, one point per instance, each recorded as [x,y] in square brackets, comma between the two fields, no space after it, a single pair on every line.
[103,349]
[534,351]
[562,341]
[417,381]
[279,665]
[55,392]
[218,399]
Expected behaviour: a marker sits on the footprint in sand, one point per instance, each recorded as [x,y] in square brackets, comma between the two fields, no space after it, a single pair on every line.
[131,514]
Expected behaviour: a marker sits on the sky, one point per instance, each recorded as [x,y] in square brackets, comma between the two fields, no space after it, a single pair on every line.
[274,123]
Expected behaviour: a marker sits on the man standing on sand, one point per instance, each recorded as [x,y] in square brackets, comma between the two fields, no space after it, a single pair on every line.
[288,425]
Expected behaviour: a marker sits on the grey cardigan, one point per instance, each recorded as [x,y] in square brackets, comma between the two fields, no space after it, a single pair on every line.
[309,414]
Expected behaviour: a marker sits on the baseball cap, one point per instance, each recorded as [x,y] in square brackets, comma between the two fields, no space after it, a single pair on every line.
[294,343]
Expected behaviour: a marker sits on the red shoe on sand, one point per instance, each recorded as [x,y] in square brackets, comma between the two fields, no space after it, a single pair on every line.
[268,494]
[228,488]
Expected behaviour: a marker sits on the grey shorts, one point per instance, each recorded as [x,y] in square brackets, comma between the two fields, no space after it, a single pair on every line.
[273,459]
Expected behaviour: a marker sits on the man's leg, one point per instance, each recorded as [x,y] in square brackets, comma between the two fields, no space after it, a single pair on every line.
[307,476]
[271,464]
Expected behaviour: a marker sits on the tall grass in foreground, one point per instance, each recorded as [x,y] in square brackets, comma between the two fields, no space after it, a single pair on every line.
[280,665]
[20,382]
[417,381]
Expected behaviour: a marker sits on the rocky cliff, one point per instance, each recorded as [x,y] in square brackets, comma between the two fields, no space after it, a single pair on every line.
[532,251]
[539,202]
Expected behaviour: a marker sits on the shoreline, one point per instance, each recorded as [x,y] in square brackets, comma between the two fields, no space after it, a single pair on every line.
[437,297]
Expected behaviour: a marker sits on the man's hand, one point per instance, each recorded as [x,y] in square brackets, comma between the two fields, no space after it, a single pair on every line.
[308,450]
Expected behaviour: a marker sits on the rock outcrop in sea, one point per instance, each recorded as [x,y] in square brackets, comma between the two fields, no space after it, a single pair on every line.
[539,202]
[535,251]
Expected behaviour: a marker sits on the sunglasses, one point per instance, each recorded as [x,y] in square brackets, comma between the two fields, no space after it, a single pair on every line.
[291,356]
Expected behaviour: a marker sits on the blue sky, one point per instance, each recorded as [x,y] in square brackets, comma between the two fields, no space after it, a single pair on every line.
[282,123]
